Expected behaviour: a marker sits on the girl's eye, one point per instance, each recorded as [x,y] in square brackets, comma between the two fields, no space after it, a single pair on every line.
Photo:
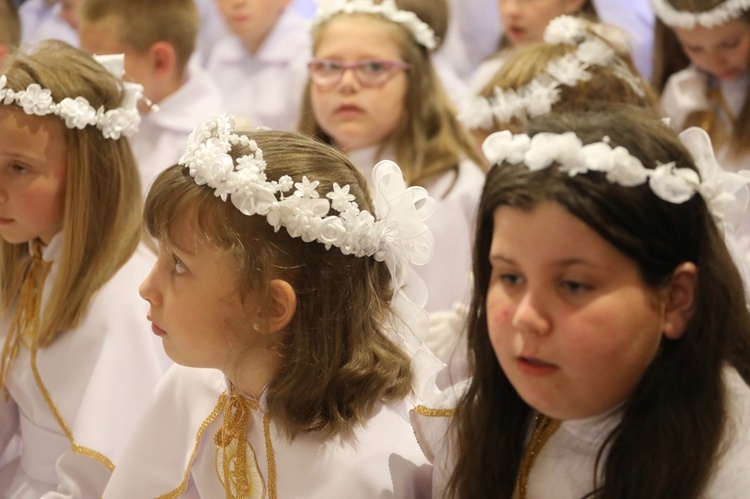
[19,168]
[575,287]
[730,44]
[694,50]
[373,67]
[179,267]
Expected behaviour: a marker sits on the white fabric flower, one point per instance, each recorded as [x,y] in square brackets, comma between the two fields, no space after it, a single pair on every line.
[675,185]
[504,146]
[626,170]
[568,30]
[77,112]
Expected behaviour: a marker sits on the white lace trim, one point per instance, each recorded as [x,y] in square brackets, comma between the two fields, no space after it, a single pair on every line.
[421,31]
[725,193]
[77,112]
[727,11]
[539,95]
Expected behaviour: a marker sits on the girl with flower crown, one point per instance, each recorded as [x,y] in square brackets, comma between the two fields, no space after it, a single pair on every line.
[701,69]
[77,361]
[373,93]
[279,278]
[579,64]
[609,337]
[523,24]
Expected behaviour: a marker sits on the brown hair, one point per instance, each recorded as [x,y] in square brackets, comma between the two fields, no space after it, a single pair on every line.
[605,84]
[338,360]
[679,406]
[10,25]
[142,23]
[670,57]
[102,223]
[435,13]
[429,140]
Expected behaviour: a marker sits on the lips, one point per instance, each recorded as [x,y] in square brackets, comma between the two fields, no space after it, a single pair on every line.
[5,221]
[348,109]
[156,329]
[535,367]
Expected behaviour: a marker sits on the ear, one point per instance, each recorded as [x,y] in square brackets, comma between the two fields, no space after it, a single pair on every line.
[163,59]
[680,298]
[283,305]
[573,6]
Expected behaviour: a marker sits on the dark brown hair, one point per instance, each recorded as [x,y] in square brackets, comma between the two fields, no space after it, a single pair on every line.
[679,406]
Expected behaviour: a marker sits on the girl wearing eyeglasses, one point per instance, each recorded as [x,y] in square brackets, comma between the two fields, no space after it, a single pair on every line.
[374,94]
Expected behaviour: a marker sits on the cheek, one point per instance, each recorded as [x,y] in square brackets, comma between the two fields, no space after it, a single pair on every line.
[499,318]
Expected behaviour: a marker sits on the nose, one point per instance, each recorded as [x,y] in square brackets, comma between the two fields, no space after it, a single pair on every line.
[148,288]
[509,8]
[349,81]
[530,315]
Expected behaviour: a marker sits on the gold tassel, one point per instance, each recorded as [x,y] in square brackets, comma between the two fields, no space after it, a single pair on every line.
[25,324]
[235,458]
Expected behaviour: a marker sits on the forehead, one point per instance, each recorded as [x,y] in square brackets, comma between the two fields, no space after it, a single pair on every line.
[31,135]
[357,36]
[701,35]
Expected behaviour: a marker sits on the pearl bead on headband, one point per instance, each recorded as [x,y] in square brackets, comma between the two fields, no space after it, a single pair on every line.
[77,112]
[722,13]
[726,193]
[421,31]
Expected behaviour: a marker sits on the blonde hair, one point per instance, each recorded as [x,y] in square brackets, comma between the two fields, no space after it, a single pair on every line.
[605,84]
[142,23]
[670,57]
[337,358]
[102,223]
[428,141]
[10,25]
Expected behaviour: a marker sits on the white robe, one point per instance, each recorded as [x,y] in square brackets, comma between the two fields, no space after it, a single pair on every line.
[40,21]
[99,377]
[452,225]
[265,88]
[564,468]
[163,134]
[173,450]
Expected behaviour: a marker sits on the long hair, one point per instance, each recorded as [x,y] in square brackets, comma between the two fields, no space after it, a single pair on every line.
[102,222]
[670,57]
[337,358]
[678,408]
[429,140]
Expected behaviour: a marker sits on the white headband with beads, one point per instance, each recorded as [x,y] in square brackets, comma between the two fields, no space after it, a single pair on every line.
[421,31]
[726,193]
[539,95]
[77,112]
[726,11]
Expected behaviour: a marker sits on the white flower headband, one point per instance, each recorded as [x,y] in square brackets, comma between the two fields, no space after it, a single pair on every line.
[421,31]
[726,11]
[78,113]
[725,193]
[537,97]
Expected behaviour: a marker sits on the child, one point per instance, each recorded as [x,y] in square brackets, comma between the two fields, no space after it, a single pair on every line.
[701,68]
[285,289]
[261,65]
[41,20]
[10,28]
[158,39]
[77,361]
[579,63]
[524,23]
[390,105]
[609,330]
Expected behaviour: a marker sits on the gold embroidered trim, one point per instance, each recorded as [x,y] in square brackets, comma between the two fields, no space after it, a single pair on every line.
[78,449]
[544,428]
[434,413]
[270,457]
[210,419]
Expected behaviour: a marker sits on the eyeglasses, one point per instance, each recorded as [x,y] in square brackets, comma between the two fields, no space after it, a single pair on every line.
[369,73]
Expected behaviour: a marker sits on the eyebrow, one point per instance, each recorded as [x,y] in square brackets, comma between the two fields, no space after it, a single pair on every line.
[568,262]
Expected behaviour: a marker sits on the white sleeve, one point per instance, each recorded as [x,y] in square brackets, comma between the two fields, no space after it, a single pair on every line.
[10,437]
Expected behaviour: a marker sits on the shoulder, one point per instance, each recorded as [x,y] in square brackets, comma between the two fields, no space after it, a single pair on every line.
[732,476]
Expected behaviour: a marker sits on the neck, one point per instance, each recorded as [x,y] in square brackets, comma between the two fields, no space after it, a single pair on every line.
[254,371]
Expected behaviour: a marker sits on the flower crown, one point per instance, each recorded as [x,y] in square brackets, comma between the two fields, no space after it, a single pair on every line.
[299,207]
[726,193]
[537,97]
[78,113]
[726,11]
[421,31]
